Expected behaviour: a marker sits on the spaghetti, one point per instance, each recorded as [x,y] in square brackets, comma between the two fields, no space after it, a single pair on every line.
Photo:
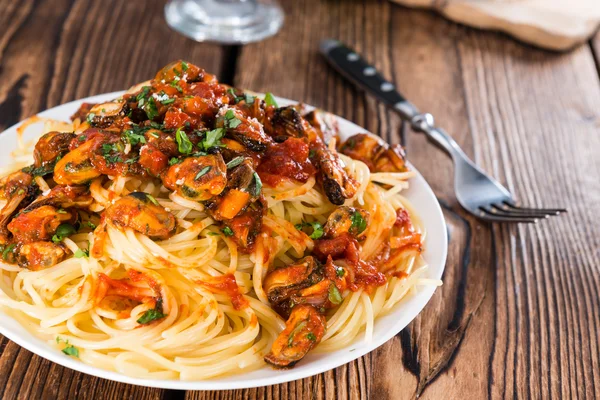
[189,230]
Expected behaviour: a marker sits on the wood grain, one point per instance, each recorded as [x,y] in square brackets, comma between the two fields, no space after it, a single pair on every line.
[519,313]
[52,52]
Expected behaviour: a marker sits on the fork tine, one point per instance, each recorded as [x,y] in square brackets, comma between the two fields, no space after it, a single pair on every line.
[492,218]
[531,212]
[554,211]
[491,215]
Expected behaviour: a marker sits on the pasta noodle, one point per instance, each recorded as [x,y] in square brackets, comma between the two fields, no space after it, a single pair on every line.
[208,324]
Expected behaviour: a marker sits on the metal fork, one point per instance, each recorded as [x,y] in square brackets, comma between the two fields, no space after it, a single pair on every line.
[476,191]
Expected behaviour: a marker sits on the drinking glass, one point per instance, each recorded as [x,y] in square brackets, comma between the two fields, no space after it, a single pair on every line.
[225,21]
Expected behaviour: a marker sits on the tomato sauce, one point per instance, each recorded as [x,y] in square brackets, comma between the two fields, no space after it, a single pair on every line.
[227,284]
[286,160]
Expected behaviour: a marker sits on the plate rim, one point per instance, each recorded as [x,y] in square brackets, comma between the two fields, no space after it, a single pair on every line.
[39,347]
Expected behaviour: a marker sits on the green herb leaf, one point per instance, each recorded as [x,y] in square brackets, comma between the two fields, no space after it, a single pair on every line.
[203,172]
[294,332]
[90,224]
[71,350]
[339,271]
[231,121]
[174,160]
[213,138]
[90,117]
[183,142]
[132,137]
[152,199]
[257,186]
[270,99]
[150,315]
[62,232]
[334,295]
[317,230]
[8,249]
[227,231]
[176,86]
[311,336]
[235,162]
[184,66]
[82,253]
[358,222]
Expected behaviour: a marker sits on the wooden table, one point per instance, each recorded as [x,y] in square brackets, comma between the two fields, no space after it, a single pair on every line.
[519,312]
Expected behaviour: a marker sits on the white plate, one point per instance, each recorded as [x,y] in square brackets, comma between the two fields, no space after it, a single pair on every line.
[385,328]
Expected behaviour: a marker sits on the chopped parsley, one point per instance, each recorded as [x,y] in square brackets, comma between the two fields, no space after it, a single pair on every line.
[248,98]
[146,102]
[227,231]
[317,229]
[62,232]
[7,250]
[69,349]
[90,224]
[132,137]
[311,336]
[203,172]
[176,86]
[270,100]
[339,271]
[212,138]
[82,253]
[257,186]
[334,295]
[152,314]
[183,142]
[152,199]
[174,160]
[358,222]
[295,331]
[230,120]
[235,162]
[90,117]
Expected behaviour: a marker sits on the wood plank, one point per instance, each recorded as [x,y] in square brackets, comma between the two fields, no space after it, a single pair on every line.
[535,117]
[54,52]
[518,313]
[392,38]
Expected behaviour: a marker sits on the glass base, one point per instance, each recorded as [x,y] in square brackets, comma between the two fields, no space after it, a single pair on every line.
[224,21]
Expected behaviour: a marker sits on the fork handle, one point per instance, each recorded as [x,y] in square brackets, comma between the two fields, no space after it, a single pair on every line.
[352,66]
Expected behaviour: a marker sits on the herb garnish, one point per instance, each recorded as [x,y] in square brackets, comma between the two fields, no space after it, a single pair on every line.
[82,253]
[334,295]
[132,137]
[270,99]
[227,231]
[257,186]
[8,249]
[62,232]
[358,222]
[235,162]
[152,199]
[69,349]
[183,142]
[203,172]
[212,138]
[152,314]
[231,121]
[317,228]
